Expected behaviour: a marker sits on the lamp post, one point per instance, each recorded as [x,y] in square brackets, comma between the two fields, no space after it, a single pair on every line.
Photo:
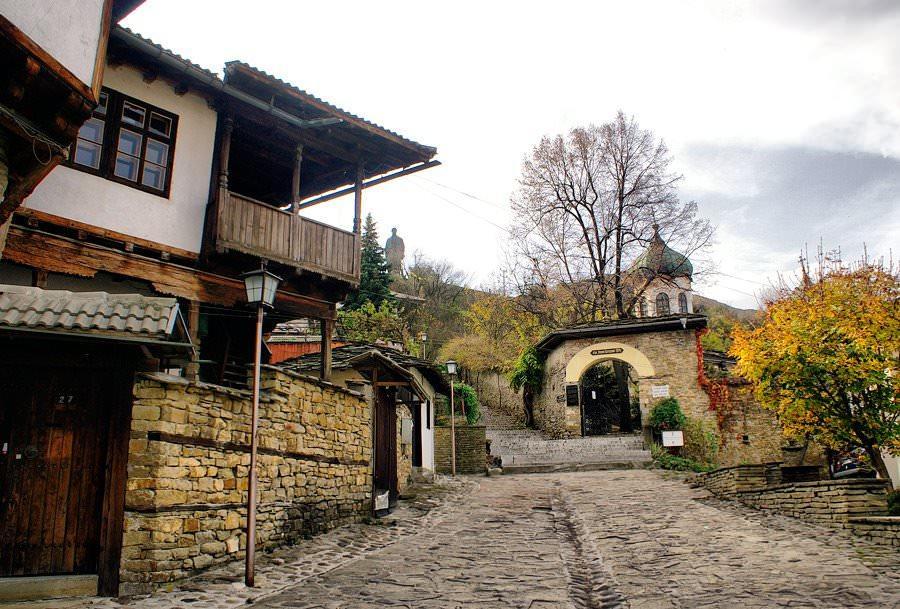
[451,370]
[261,286]
[423,337]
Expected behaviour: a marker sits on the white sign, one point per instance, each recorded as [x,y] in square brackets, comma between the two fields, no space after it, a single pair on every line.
[673,438]
[660,391]
[383,501]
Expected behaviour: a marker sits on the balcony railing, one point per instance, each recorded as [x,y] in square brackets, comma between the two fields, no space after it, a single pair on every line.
[254,228]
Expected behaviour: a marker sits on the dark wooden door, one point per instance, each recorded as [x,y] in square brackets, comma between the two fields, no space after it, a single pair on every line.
[54,427]
[416,407]
[385,442]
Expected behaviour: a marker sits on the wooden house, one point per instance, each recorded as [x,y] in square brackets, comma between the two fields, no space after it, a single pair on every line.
[51,68]
[177,183]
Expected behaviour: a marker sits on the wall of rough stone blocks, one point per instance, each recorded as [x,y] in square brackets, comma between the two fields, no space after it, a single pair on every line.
[470,449]
[673,355]
[884,530]
[404,451]
[496,395]
[837,503]
[188,461]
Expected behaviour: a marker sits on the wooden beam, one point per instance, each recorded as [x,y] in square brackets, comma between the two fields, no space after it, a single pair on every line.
[102,45]
[36,249]
[370,183]
[295,182]
[327,333]
[35,217]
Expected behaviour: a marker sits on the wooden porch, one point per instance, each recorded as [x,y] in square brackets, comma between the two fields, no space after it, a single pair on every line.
[258,229]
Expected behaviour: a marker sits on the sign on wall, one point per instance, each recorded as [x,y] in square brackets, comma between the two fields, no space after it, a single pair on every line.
[611,351]
[659,391]
[673,438]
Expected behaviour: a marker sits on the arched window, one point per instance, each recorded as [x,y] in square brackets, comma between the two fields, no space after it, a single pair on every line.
[642,307]
[682,303]
[662,304]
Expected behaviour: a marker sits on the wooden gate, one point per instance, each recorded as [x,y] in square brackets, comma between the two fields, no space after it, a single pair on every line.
[386,443]
[63,458]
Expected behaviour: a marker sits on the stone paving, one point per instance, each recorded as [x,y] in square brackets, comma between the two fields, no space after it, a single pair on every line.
[593,540]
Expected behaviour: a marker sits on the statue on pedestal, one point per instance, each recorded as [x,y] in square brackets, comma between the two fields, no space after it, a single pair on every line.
[394,252]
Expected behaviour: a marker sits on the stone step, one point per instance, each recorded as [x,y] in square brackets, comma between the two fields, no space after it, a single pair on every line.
[545,468]
[525,459]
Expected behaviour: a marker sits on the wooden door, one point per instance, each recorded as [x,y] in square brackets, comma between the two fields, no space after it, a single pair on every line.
[416,407]
[54,427]
[385,443]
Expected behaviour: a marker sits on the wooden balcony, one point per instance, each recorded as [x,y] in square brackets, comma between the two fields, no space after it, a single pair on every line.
[255,228]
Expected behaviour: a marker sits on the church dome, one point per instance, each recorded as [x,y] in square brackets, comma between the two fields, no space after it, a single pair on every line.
[660,259]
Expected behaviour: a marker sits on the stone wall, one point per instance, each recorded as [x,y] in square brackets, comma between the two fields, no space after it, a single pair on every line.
[884,530]
[496,395]
[404,451]
[470,449]
[673,355]
[828,502]
[188,464]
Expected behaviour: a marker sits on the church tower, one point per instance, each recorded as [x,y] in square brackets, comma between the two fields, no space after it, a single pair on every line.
[665,276]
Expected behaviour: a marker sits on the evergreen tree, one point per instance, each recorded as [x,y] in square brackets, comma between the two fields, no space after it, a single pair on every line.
[375,278]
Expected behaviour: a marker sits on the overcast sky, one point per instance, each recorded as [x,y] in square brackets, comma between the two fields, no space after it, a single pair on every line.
[782,115]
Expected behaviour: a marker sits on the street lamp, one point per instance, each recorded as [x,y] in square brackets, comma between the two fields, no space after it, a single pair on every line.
[451,370]
[423,337]
[261,286]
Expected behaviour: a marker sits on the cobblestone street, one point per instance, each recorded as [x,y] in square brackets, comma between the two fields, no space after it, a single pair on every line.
[638,539]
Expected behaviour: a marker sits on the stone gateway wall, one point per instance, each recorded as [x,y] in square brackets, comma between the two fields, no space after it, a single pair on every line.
[471,452]
[188,465]
[673,355]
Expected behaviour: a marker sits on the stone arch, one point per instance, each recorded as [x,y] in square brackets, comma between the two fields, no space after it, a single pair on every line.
[599,352]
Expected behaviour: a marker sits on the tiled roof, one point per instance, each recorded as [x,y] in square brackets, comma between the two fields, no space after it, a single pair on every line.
[343,357]
[187,62]
[89,312]
[330,107]
[612,327]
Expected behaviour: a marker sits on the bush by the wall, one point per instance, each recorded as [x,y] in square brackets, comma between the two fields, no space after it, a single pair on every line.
[664,460]
[465,396]
[701,442]
[666,416]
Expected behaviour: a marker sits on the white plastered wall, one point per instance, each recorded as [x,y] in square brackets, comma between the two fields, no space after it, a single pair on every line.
[176,221]
[69,30]
[427,432]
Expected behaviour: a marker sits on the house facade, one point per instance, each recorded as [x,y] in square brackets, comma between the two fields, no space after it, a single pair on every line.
[178,182]
[53,58]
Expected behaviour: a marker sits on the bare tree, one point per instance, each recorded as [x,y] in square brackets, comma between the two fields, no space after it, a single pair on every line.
[587,204]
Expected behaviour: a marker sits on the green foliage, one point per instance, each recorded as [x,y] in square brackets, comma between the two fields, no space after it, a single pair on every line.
[528,371]
[465,396]
[664,460]
[667,416]
[368,324]
[374,278]
[701,442]
[893,500]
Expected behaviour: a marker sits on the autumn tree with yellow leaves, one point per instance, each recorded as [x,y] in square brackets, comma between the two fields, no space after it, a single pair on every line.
[825,358]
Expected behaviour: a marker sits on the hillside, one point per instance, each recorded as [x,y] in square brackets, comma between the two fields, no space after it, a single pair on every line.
[722,318]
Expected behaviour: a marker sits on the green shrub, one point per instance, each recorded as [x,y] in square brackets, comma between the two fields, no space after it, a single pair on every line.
[666,416]
[893,500]
[701,442]
[664,460]
[465,395]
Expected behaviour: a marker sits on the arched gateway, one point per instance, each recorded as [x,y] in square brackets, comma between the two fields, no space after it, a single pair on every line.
[648,359]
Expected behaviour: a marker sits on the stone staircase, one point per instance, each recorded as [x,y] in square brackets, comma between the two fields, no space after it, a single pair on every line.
[529,451]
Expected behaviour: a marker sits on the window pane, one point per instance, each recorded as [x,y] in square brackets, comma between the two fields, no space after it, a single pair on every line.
[87,153]
[130,142]
[102,103]
[92,130]
[154,176]
[126,166]
[157,152]
[160,124]
[133,115]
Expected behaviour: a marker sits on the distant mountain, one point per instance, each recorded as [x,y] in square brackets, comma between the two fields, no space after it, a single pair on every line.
[722,319]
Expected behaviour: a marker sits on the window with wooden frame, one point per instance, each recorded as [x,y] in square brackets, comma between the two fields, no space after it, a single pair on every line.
[128,141]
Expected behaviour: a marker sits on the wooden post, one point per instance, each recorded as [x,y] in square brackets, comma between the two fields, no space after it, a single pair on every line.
[225,151]
[357,199]
[295,184]
[192,369]
[327,332]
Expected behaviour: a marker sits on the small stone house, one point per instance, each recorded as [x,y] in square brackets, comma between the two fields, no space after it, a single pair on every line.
[401,390]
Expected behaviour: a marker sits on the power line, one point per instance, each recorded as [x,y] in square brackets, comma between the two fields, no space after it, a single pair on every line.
[471,213]
[465,194]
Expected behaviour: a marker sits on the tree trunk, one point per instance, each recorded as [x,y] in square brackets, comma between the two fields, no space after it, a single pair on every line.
[878,464]
[528,404]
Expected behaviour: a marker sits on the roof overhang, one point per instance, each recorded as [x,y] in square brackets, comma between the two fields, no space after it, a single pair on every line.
[670,323]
